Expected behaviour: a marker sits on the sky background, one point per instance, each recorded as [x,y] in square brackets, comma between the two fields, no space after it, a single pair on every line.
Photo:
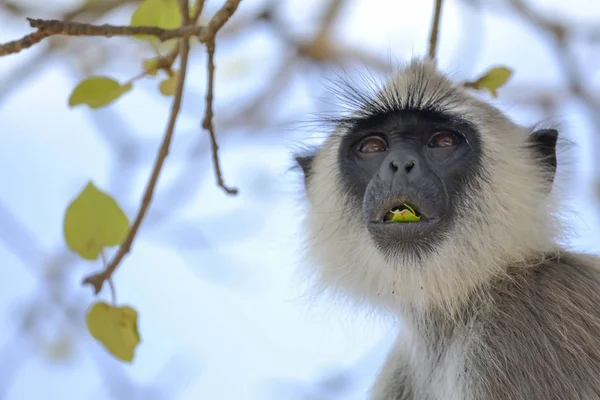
[221,313]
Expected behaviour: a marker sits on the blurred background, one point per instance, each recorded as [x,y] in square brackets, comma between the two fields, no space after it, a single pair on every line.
[221,314]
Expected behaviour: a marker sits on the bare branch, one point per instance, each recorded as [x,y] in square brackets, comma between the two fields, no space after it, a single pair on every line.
[207,123]
[217,21]
[184,8]
[198,7]
[329,16]
[23,43]
[97,280]
[435,27]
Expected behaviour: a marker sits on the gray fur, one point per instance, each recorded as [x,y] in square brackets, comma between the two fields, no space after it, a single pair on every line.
[499,310]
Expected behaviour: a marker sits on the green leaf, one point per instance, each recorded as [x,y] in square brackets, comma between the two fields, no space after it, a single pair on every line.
[163,14]
[114,327]
[405,215]
[493,79]
[168,86]
[97,91]
[93,221]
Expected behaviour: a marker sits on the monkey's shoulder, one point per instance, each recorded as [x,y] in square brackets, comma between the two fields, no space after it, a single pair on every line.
[569,279]
[540,338]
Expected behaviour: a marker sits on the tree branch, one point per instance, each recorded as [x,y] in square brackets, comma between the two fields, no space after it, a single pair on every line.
[52,27]
[435,27]
[207,36]
[198,7]
[97,280]
[207,123]
[217,21]
[23,43]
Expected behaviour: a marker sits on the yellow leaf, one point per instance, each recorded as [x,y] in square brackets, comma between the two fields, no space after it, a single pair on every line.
[151,66]
[163,14]
[93,221]
[493,79]
[168,86]
[97,91]
[114,327]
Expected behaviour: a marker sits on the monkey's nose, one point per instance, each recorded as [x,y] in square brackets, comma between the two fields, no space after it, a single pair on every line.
[408,166]
[400,169]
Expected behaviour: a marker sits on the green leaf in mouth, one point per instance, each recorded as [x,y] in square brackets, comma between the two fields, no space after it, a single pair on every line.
[405,213]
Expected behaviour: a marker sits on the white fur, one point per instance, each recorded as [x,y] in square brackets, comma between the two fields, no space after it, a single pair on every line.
[502,224]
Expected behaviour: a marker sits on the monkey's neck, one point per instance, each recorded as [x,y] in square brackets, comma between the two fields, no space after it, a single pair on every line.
[459,313]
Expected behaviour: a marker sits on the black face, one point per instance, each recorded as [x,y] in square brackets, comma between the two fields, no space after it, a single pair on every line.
[415,160]
[421,160]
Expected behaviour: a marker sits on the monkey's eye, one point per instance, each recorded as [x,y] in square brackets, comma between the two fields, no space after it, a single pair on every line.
[372,144]
[443,139]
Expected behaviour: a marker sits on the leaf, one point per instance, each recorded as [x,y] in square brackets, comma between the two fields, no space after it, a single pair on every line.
[114,327]
[93,221]
[150,66]
[405,215]
[493,79]
[168,86]
[97,91]
[163,14]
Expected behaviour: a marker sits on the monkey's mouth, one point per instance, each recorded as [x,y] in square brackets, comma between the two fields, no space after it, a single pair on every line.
[402,213]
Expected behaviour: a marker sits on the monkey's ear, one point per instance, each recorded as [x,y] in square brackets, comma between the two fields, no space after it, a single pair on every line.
[543,142]
[305,162]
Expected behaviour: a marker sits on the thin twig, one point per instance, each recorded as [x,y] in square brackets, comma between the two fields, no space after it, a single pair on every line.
[331,13]
[198,8]
[184,8]
[113,291]
[207,123]
[217,21]
[111,284]
[97,280]
[435,27]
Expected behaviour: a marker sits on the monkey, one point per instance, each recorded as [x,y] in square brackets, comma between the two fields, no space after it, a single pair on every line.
[492,306]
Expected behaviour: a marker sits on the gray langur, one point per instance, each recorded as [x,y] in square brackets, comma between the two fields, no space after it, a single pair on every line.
[492,306]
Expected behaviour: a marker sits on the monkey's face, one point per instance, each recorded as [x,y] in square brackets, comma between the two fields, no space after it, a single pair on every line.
[477,182]
[419,160]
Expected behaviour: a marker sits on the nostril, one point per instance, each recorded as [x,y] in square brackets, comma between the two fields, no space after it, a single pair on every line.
[393,166]
[409,166]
